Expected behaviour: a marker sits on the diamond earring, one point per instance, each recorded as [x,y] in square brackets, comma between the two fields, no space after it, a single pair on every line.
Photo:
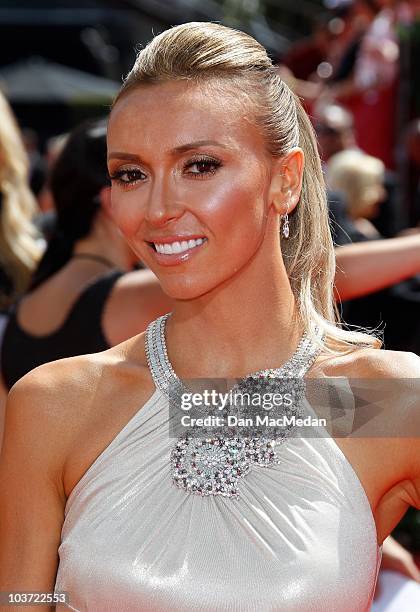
[285,223]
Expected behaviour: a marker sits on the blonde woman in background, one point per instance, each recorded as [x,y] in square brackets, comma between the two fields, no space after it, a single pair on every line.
[211,159]
[20,244]
[360,178]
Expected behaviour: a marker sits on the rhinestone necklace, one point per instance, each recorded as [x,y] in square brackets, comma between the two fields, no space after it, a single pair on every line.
[214,465]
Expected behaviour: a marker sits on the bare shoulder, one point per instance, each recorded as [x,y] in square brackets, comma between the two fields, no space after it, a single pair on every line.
[46,399]
[56,425]
[57,402]
[385,389]
[379,363]
[394,381]
[371,363]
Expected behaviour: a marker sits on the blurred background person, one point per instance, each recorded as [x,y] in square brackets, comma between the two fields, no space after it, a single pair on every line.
[21,245]
[82,298]
[37,163]
[360,179]
[334,126]
[53,148]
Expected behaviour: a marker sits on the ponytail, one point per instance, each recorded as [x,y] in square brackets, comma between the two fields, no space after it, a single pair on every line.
[309,255]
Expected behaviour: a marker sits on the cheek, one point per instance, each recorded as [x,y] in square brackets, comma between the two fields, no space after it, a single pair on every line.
[236,207]
[126,211]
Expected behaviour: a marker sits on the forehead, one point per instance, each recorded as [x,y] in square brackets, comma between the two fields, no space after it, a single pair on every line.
[171,114]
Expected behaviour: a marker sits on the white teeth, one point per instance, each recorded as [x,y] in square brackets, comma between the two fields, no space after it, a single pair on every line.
[178,247]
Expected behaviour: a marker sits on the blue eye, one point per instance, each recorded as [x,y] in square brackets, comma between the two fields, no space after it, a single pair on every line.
[128,176]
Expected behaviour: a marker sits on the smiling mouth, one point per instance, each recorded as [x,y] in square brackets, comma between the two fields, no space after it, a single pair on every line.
[177,247]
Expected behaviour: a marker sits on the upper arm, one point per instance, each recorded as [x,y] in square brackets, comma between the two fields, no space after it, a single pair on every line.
[136,300]
[399,378]
[32,498]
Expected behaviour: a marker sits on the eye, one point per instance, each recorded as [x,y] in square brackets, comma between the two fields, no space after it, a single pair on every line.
[203,166]
[127,176]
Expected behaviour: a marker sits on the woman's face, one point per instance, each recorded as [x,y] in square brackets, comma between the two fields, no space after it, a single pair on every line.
[191,182]
[373,195]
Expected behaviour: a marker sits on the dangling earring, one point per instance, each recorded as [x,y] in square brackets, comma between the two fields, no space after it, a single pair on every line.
[285,223]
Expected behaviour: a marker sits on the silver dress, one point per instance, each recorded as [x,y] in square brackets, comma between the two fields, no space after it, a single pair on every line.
[299,536]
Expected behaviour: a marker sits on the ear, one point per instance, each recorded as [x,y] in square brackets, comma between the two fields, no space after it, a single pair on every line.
[105,200]
[286,182]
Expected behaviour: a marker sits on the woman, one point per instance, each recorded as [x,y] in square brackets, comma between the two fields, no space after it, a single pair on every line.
[20,245]
[206,154]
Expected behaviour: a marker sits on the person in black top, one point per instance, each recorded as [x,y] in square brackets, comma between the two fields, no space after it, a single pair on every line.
[82,299]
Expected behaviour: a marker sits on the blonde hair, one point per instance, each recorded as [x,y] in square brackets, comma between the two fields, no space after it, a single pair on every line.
[20,247]
[199,52]
[353,172]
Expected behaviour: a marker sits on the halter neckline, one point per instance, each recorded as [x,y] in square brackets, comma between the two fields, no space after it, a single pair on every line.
[164,375]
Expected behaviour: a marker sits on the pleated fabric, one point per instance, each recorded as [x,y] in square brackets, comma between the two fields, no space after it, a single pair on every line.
[300,537]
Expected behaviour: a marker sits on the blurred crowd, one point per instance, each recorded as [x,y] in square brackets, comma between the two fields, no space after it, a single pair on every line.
[68,282]
[362,95]
[356,57]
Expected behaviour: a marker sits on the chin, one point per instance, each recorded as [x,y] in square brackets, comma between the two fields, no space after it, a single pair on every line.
[182,286]
[178,289]
[198,281]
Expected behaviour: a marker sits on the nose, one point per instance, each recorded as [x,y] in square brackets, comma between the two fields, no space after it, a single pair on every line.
[163,205]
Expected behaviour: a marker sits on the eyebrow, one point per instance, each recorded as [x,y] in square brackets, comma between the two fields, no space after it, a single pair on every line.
[180,149]
[126,156]
[196,145]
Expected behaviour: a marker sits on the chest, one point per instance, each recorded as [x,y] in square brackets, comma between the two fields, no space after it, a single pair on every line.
[300,536]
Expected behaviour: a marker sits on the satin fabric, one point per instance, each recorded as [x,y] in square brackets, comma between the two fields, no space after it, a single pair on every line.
[301,536]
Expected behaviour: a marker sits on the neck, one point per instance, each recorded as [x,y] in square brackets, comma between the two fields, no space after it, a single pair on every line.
[246,324]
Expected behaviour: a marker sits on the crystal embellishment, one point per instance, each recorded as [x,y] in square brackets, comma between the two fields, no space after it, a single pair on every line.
[214,465]
[210,466]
